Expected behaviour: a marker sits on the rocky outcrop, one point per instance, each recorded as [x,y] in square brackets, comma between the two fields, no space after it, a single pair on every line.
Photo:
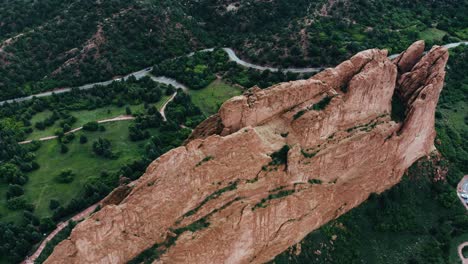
[407,59]
[116,196]
[212,125]
[274,165]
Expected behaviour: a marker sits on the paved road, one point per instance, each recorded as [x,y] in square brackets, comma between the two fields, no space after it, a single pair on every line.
[138,75]
[462,191]
[166,80]
[233,57]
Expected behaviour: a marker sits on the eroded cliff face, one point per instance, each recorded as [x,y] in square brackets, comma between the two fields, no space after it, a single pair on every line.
[272,166]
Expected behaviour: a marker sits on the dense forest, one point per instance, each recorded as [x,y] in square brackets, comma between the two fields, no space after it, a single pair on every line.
[49,44]
[84,41]
[199,70]
[318,33]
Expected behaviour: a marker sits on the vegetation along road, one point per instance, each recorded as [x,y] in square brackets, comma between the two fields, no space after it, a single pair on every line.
[166,80]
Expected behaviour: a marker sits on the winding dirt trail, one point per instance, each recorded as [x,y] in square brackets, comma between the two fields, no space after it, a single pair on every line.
[460,252]
[85,213]
[163,108]
[115,119]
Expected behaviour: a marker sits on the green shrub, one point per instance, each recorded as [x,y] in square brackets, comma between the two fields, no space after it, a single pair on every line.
[214,195]
[103,147]
[299,114]
[14,190]
[307,154]
[63,148]
[83,139]
[280,157]
[66,176]
[91,126]
[207,158]
[315,181]
[322,104]
[19,203]
[278,195]
[54,204]
[68,138]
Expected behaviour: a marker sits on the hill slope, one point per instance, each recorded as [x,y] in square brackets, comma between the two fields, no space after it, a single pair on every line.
[49,44]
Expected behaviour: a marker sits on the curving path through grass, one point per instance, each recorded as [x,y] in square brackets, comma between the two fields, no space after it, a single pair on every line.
[115,119]
[460,252]
[85,213]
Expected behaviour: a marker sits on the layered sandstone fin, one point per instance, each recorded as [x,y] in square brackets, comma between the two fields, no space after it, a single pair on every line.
[422,87]
[274,165]
[422,73]
[407,59]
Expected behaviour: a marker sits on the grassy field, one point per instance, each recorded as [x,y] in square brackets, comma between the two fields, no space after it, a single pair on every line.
[85,116]
[41,187]
[456,116]
[462,34]
[209,99]
[432,34]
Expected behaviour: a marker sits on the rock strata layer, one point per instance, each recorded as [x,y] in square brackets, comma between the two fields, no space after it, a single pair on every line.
[272,166]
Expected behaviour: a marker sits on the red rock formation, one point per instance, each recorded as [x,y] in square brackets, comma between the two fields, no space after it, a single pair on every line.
[242,197]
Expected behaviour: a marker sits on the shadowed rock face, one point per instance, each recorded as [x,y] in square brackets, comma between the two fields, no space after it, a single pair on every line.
[242,196]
